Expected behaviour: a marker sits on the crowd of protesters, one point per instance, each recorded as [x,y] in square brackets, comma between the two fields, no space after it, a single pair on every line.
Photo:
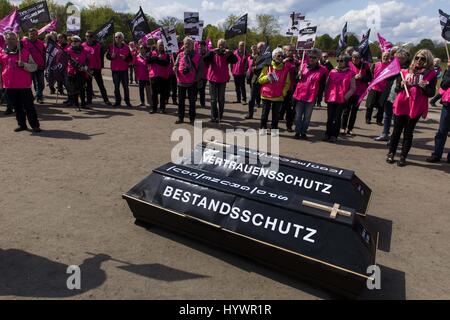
[285,84]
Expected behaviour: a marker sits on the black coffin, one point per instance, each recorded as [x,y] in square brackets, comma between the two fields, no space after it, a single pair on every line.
[292,232]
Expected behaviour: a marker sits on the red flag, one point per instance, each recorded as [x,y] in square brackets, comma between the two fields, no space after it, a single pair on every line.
[48,27]
[391,70]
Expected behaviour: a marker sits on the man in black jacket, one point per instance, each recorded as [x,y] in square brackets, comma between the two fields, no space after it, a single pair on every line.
[444,125]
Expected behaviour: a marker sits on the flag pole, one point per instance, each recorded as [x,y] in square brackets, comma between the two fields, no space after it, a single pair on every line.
[403,79]
[448,54]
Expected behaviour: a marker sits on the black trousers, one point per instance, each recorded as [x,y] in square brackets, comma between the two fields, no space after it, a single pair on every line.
[97,75]
[217,93]
[173,87]
[160,87]
[191,92]
[436,98]
[373,101]
[77,85]
[275,106]
[350,113]
[287,109]
[334,111]
[143,87]
[406,125]
[202,93]
[121,77]
[255,97]
[22,101]
[241,91]
[132,73]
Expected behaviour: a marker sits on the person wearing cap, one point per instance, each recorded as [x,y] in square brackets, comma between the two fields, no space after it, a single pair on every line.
[120,56]
[275,83]
[36,48]
[96,65]
[17,69]
[77,71]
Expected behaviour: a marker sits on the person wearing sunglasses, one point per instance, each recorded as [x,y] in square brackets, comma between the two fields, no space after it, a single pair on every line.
[363,76]
[374,95]
[120,56]
[275,83]
[340,87]
[444,124]
[311,83]
[77,74]
[420,82]
[95,65]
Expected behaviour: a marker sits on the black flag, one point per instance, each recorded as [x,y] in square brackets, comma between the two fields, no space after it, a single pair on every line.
[342,40]
[238,28]
[33,15]
[104,31]
[364,48]
[139,25]
[445,24]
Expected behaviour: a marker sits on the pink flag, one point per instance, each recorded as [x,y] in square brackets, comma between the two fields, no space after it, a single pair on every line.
[384,44]
[209,45]
[155,34]
[391,70]
[49,27]
[10,23]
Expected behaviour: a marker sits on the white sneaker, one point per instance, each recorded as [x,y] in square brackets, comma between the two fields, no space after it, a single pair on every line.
[262,132]
[275,133]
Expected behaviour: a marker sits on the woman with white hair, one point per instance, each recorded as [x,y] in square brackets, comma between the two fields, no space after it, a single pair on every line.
[275,83]
[218,60]
[120,56]
[17,67]
[420,82]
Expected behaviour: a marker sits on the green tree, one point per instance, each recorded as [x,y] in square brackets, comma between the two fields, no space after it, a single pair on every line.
[267,25]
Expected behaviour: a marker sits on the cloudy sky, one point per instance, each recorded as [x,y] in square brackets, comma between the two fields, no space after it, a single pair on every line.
[397,20]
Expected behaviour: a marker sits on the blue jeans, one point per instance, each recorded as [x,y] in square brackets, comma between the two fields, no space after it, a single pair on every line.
[38,83]
[303,112]
[387,117]
[441,136]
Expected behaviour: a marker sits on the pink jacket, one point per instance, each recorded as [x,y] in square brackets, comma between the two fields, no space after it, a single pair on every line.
[361,87]
[309,84]
[189,77]
[37,51]
[141,68]
[417,103]
[81,58]
[119,63]
[379,66]
[218,69]
[158,71]
[95,57]
[13,76]
[338,85]
[238,69]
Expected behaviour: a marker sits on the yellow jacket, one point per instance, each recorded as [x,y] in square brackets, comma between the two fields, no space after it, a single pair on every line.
[263,79]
